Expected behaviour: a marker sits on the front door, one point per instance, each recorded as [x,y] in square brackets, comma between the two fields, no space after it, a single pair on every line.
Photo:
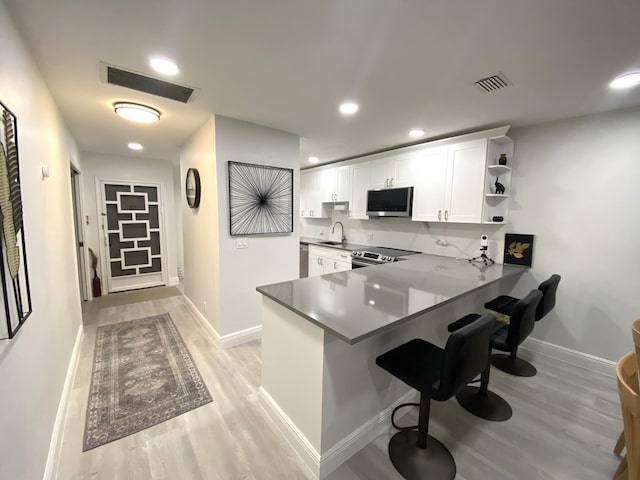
[133,235]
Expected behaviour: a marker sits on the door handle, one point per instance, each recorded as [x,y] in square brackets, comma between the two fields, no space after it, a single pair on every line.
[439,214]
[446,214]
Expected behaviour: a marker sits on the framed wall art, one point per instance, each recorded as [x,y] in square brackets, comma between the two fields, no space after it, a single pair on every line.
[16,293]
[518,249]
[260,199]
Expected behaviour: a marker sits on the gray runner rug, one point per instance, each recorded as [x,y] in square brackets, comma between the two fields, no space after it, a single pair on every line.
[143,374]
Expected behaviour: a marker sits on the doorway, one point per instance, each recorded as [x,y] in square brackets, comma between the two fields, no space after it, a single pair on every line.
[133,235]
[78,229]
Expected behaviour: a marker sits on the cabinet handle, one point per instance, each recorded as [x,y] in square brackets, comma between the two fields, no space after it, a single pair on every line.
[344,255]
[335,265]
[446,214]
[386,182]
[320,261]
[349,212]
[391,182]
[439,214]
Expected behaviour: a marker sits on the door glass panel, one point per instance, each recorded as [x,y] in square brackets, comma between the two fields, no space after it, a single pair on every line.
[110,191]
[115,245]
[136,257]
[116,270]
[152,216]
[156,266]
[152,192]
[154,243]
[132,202]
[114,218]
[134,230]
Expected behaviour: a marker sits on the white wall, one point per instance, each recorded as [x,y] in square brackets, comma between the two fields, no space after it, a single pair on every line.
[576,188]
[269,258]
[96,165]
[33,365]
[200,236]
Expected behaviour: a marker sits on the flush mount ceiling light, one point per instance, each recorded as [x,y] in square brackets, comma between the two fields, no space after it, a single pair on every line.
[416,132]
[136,112]
[626,80]
[313,159]
[135,146]
[349,108]
[164,66]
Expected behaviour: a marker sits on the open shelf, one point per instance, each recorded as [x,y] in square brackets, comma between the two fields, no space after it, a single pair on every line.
[496,195]
[498,170]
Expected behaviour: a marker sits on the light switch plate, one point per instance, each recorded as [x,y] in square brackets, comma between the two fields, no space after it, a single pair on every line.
[242,242]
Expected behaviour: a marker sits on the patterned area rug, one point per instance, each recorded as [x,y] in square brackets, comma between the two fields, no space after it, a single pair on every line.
[143,374]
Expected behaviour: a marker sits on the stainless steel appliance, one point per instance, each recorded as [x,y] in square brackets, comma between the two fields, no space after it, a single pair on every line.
[377,256]
[304,260]
[390,202]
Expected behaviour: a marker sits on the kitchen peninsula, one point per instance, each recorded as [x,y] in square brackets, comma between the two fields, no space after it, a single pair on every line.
[321,336]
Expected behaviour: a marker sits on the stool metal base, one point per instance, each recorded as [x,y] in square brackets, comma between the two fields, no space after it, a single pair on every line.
[415,463]
[514,366]
[489,406]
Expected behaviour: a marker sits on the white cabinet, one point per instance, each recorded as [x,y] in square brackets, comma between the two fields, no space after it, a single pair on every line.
[310,196]
[450,185]
[392,171]
[360,181]
[334,184]
[327,260]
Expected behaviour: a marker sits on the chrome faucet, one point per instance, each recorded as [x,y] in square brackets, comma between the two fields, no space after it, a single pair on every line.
[344,239]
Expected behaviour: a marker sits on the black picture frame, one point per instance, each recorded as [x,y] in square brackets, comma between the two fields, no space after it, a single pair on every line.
[260,199]
[14,272]
[518,249]
[192,188]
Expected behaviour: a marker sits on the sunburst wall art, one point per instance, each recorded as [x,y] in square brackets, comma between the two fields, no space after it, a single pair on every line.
[260,199]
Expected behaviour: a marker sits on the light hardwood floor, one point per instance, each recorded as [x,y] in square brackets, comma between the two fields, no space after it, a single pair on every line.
[566,421]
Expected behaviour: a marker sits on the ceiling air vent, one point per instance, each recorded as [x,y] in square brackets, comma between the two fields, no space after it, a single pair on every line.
[492,83]
[146,84]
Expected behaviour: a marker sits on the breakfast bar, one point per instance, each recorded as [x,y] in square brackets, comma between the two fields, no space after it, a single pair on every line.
[321,336]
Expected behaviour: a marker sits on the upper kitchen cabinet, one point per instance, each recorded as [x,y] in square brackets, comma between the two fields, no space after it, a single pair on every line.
[360,181]
[394,170]
[310,196]
[451,183]
[334,184]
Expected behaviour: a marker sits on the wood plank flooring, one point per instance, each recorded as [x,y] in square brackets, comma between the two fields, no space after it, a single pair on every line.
[565,424]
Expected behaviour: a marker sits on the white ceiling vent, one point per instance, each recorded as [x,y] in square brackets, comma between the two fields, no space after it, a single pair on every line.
[492,83]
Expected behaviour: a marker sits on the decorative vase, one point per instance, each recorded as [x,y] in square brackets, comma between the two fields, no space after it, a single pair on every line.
[503,159]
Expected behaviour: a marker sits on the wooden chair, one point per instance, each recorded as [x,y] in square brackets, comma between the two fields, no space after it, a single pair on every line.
[627,373]
[635,327]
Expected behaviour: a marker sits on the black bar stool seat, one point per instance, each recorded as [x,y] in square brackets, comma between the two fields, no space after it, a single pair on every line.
[436,373]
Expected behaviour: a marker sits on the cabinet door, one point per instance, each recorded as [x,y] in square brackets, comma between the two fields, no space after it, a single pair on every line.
[465,181]
[429,192]
[381,173]
[402,171]
[305,190]
[333,266]
[343,183]
[315,265]
[327,185]
[360,181]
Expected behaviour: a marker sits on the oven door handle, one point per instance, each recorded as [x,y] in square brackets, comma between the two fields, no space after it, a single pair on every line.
[361,263]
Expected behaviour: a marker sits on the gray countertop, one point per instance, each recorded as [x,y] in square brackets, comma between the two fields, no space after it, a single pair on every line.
[340,246]
[357,304]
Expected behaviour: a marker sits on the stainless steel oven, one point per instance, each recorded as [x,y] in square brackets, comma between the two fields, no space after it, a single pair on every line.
[377,255]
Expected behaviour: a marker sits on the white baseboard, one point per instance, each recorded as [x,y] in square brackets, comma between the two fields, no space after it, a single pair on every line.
[173,281]
[573,357]
[224,341]
[366,433]
[320,466]
[51,468]
[310,456]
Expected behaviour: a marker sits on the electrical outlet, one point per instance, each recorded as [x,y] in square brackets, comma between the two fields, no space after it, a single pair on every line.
[242,242]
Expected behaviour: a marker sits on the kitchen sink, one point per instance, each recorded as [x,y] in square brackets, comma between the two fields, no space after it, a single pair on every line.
[330,243]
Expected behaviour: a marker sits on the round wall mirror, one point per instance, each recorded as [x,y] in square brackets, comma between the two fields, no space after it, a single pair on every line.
[192,188]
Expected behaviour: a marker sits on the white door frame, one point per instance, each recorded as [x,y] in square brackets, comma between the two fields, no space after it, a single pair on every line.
[81,246]
[104,240]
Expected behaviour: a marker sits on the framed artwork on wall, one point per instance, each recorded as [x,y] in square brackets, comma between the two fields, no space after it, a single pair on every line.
[260,199]
[16,293]
[518,249]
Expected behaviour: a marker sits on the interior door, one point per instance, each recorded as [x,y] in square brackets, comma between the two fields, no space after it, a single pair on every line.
[132,230]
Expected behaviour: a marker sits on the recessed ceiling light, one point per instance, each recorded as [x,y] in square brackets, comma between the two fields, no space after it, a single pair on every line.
[416,133]
[163,66]
[136,112]
[349,108]
[313,159]
[626,80]
[135,146]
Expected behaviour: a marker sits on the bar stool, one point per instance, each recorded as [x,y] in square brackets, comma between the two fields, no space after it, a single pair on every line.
[437,374]
[627,373]
[635,329]
[481,401]
[505,304]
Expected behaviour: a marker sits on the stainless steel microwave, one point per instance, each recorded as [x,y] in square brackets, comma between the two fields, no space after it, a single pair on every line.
[390,202]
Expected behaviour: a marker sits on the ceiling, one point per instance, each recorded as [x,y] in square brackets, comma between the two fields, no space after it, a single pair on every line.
[288,64]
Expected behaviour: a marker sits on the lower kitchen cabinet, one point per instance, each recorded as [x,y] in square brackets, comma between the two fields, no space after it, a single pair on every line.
[327,260]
